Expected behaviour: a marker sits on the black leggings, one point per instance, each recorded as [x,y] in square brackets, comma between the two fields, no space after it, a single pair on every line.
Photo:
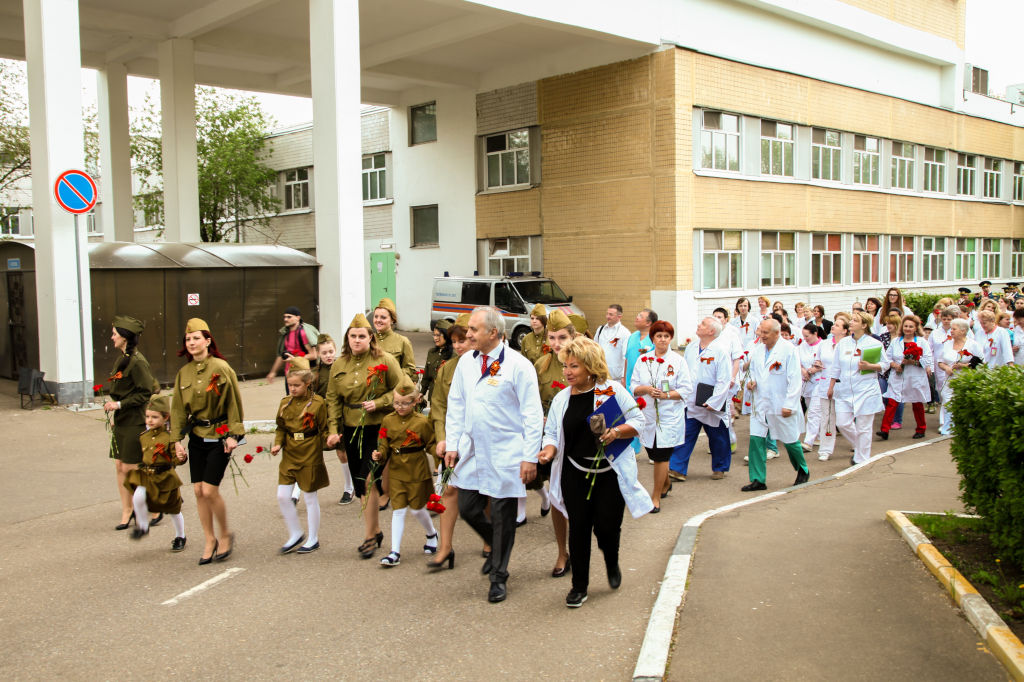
[601,514]
[359,461]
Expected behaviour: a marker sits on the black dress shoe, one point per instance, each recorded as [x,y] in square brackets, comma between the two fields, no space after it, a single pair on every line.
[656,510]
[575,599]
[614,577]
[126,524]
[545,512]
[497,593]
[157,520]
[918,435]
[802,477]
[138,533]
[203,560]
[884,435]
[292,546]
[754,486]
[486,568]
[520,523]
[485,553]
[346,499]
[224,555]
[559,572]
[309,550]
[177,544]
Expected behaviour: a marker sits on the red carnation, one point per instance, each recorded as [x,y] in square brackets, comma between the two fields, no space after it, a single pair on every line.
[641,403]
[222,430]
[97,388]
[382,434]
[247,458]
[419,371]
[746,404]
[661,361]
[259,449]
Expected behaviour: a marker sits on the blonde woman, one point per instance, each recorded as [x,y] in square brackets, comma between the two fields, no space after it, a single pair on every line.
[857,395]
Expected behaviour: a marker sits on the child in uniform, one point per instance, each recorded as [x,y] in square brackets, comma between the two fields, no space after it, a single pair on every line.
[403,442]
[155,485]
[326,352]
[299,439]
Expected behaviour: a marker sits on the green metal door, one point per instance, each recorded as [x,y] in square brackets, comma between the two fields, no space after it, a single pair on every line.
[382,276]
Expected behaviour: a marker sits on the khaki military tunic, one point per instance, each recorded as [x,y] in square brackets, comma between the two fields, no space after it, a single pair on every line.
[398,346]
[156,473]
[532,346]
[439,396]
[133,387]
[206,391]
[322,378]
[405,442]
[349,387]
[301,432]
[434,360]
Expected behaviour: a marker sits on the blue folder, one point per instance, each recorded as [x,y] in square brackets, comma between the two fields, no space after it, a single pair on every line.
[613,417]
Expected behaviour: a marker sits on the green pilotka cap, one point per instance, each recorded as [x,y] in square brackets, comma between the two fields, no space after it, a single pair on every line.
[129,323]
[160,403]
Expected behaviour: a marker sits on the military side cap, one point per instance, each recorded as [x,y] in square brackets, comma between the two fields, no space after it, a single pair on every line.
[443,325]
[558,321]
[580,323]
[160,403]
[462,321]
[359,322]
[405,386]
[129,323]
[196,325]
[388,305]
[298,364]
[539,310]
[324,338]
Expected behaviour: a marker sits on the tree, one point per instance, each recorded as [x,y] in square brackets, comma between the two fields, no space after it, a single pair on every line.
[231,148]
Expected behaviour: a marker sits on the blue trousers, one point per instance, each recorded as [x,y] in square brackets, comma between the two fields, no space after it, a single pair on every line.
[718,436]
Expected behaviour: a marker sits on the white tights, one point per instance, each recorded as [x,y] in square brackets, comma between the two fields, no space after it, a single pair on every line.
[291,516]
[398,527]
[142,513]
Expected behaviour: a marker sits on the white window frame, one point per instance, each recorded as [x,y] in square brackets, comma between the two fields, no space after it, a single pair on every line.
[826,157]
[992,178]
[991,261]
[714,259]
[1018,181]
[375,176]
[901,258]
[901,165]
[965,258]
[1017,258]
[501,260]
[519,137]
[933,259]
[295,183]
[720,147]
[966,174]
[10,223]
[867,158]
[934,169]
[780,269]
[867,263]
[826,256]
[779,148]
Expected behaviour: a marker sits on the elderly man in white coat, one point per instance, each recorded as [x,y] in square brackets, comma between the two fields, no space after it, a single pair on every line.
[710,363]
[775,383]
[495,422]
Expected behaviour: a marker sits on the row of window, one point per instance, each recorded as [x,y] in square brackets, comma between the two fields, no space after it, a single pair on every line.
[869,259]
[849,158]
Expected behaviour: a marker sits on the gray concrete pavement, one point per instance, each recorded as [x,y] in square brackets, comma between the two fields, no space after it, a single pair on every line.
[81,600]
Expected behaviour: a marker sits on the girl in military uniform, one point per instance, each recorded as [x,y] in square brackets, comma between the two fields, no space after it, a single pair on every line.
[441,351]
[385,317]
[131,385]
[299,439]
[359,394]
[403,441]
[326,352]
[532,345]
[551,381]
[207,409]
[154,485]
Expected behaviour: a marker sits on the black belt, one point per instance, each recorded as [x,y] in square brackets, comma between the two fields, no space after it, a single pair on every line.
[155,469]
[207,422]
[304,434]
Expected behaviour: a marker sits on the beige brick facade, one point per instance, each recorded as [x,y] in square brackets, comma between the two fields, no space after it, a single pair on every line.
[944,18]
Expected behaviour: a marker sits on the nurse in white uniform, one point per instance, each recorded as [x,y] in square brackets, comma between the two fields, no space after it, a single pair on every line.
[858,397]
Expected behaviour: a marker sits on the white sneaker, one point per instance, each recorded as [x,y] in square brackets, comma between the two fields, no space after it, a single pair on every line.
[806,447]
[772,454]
[823,458]
[746,458]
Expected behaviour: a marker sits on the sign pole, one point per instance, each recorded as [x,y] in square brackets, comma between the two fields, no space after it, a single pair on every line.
[81,313]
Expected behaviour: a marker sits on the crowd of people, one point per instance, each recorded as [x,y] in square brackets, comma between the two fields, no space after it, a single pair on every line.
[565,416]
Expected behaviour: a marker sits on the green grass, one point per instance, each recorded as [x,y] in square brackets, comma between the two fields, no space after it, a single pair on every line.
[948,527]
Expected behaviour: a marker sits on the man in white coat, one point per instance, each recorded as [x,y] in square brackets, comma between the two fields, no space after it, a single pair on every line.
[613,337]
[495,423]
[775,384]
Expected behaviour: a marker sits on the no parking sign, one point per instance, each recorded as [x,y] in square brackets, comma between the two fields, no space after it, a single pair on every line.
[75,191]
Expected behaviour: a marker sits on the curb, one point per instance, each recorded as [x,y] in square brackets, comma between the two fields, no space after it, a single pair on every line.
[653,658]
[998,637]
[260,425]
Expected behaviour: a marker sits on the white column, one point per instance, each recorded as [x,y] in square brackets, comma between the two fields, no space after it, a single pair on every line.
[335,74]
[117,215]
[55,127]
[178,113]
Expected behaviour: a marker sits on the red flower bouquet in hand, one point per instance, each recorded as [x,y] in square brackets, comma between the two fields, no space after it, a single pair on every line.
[912,353]
[222,430]
[434,504]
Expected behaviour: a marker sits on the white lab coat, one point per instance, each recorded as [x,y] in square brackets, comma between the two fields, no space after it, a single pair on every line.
[911,385]
[712,366]
[747,328]
[664,419]
[855,392]
[494,422]
[995,347]
[776,373]
[825,353]
[637,499]
[808,354]
[1018,341]
[613,341]
[936,340]
[950,356]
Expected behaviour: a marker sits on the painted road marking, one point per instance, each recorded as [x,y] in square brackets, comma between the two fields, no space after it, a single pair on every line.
[202,587]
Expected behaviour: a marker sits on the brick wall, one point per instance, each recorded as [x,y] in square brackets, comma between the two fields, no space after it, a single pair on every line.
[291,150]
[375,132]
[377,222]
[506,108]
[944,18]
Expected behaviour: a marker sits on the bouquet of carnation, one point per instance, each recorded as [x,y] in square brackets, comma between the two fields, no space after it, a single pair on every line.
[912,354]
[655,365]
[434,503]
[374,379]
[598,426]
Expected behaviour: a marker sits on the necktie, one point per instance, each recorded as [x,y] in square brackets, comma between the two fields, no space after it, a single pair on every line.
[483,367]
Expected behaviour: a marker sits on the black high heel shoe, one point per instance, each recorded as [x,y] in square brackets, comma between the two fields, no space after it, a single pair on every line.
[225,555]
[370,545]
[126,524]
[558,573]
[438,564]
[157,520]
[209,559]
